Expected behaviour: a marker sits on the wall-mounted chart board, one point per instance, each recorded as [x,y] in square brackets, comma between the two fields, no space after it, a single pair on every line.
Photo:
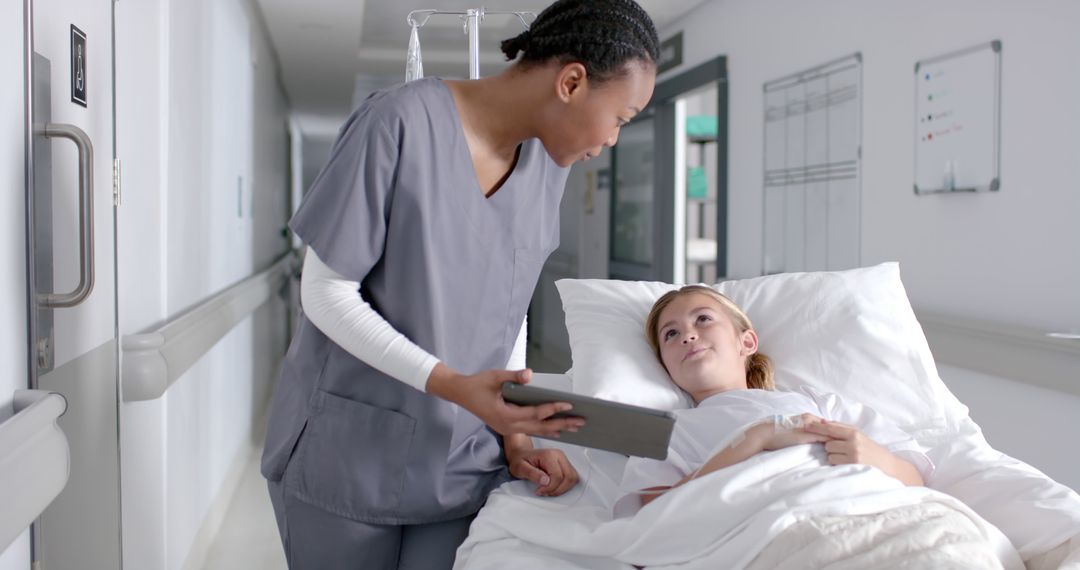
[958,121]
[812,184]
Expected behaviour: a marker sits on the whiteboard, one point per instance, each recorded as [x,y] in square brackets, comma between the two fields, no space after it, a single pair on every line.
[958,120]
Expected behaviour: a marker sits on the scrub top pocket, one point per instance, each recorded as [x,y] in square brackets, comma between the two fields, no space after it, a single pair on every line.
[351,459]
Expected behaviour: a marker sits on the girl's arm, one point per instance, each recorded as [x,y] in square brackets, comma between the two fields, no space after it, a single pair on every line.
[728,456]
[761,437]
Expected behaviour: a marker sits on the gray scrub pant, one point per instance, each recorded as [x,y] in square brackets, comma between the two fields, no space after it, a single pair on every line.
[317,540]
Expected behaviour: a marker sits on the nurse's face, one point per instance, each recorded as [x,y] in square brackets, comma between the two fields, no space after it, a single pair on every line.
[587,116]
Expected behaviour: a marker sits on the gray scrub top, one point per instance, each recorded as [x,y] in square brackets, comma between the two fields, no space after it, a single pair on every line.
[399,209]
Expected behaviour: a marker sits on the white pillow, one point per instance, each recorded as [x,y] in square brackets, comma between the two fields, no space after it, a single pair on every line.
[852,333]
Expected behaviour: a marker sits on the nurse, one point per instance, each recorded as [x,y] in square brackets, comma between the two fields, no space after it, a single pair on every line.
[426,232]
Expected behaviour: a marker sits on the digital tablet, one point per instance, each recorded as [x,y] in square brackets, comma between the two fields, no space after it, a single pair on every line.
[622,428]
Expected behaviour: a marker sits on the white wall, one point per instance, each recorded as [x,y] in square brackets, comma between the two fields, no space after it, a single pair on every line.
[12,238]
[967,255]
[1007,257]
[202,130]
[316,154]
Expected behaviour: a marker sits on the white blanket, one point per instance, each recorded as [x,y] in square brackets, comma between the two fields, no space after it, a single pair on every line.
[925,535]
[728,518]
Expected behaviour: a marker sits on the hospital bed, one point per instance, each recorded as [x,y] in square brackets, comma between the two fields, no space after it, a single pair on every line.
[861,326]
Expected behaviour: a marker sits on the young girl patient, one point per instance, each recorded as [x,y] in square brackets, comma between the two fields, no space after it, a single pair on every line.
[710,350]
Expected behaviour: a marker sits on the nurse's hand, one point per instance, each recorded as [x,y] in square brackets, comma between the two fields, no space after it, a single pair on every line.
[548,469]
[481,394]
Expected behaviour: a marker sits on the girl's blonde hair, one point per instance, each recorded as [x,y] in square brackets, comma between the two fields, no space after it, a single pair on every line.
[759,368]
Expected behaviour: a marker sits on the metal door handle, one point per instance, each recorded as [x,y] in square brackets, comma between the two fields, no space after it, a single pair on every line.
[86,216]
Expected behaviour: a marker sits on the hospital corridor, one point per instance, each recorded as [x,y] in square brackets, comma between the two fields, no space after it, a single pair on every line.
[271,270]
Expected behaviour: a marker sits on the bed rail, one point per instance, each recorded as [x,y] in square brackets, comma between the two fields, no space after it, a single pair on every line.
[34,460]
[153,360]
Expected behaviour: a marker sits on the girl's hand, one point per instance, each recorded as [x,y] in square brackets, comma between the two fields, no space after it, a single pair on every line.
[481,394]
[847,445]
[549,469]
[771,438]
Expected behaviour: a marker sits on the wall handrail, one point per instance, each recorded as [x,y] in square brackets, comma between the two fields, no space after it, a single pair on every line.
[153,360]
[34,460]
[1018,353]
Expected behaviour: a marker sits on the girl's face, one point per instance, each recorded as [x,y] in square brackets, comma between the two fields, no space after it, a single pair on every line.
[587,116]
[701,348]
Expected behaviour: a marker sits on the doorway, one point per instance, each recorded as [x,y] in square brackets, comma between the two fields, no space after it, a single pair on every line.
[669,183]
[697,139]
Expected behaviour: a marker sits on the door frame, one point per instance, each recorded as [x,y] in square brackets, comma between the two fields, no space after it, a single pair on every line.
[28,196]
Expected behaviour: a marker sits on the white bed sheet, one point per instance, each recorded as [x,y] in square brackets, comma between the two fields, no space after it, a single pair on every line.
[598,489]
[1034,512]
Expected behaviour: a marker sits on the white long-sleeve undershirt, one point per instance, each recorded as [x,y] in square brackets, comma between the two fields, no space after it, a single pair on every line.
[334,305]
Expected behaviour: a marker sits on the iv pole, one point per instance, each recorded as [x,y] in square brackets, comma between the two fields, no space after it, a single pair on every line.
[472,18]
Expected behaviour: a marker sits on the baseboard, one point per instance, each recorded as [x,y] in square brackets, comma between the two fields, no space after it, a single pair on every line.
[208,531]
[1006,351]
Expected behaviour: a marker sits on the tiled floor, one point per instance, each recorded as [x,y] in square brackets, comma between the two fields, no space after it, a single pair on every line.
[248,537]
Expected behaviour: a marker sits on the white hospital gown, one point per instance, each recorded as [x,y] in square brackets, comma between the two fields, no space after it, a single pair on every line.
[701,432]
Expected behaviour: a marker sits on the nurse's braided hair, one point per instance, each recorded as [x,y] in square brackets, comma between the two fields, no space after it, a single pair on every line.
[759,368]
[602,35]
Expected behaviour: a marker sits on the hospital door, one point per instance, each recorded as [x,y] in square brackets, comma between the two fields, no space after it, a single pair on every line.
[71,209]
